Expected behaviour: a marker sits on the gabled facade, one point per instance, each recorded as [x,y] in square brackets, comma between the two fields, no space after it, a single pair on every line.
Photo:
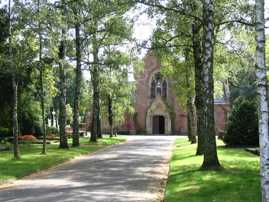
[156,107]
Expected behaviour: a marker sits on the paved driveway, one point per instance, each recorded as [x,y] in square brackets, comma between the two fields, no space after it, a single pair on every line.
[131,172]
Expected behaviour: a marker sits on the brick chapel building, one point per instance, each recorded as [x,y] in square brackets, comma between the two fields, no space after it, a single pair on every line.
[157,110]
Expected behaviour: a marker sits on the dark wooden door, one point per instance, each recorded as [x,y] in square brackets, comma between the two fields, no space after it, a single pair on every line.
[161,125]
[155,125]
[158,125]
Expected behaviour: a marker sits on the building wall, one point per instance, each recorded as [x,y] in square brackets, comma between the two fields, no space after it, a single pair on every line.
[142,92]
[221,116]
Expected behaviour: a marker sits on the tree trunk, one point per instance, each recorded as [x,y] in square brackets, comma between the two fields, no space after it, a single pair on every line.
[95,111]
[192,130]
[15,125]
[199,87]
[51,117]
[44,149]
[15,118]
[77,89]
[110,114]
[190,101]
[99,132]
[96,122]
[188,123]
[210,151]
[44,129]
[226,91]
[62,88]
[57,119]
[261,73]
[62,108]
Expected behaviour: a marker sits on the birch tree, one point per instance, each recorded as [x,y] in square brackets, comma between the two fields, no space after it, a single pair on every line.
[261,73]
[15,126]
[210,151]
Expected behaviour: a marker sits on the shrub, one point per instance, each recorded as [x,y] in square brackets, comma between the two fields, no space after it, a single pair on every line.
[30,114]
[242,128]
[5,132]
[30,126]
[52,130]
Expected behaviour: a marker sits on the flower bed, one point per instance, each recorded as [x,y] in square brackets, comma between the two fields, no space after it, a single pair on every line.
[31,138]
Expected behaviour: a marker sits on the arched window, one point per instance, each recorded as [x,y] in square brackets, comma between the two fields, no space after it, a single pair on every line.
[152,89]
[158,86]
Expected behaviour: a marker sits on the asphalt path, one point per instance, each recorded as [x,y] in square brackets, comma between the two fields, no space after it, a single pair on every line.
[135,171]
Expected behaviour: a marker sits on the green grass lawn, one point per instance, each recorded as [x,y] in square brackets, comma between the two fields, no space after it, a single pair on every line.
[237,182]
[32,161]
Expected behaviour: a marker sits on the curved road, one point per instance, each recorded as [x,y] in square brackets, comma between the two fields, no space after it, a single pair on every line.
[134,171]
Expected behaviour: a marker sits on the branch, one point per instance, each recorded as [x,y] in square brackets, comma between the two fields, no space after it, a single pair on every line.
[164,8]
[98,63]
[164,46]
[240,21]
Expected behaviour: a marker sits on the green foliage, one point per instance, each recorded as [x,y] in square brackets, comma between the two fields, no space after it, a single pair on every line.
[239,181]
[85,97]
[242,129]
[234,62]
[4,29]
[5,100]
[181,73]
[116,85]
[29,114]
[4,132]
[69,114]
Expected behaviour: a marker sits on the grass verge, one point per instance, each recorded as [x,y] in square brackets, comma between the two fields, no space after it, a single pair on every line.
[238,182]
[32,161]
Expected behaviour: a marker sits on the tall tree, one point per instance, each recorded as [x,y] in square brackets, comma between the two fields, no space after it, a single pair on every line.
[20,59]
[116,90]
[95,74]
[199,85]
[78,78]
[77,88]
[106,27]
[41,71]
[191,110]
[262,88]
[14,88]
[62,79]
[210,151]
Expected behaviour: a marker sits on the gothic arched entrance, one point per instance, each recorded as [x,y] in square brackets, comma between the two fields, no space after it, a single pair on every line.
[158,119]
